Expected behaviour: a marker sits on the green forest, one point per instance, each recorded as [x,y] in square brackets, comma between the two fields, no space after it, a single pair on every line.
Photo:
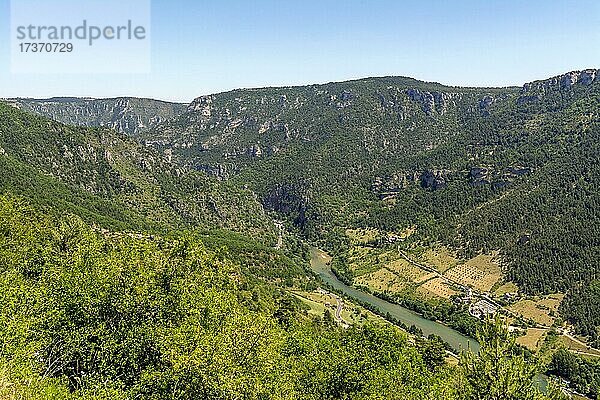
[93,316]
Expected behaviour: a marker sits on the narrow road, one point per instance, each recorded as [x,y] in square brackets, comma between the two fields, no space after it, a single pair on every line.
[338,310]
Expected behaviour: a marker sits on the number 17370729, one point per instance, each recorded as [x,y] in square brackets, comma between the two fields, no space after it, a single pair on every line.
[46,47]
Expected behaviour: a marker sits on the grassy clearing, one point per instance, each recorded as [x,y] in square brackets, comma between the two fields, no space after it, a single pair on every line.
[383,280]
[316,308]
[507,287]
[552,302]
[533,310]
[362,236]
[533,339]
[319,256]
[486,263]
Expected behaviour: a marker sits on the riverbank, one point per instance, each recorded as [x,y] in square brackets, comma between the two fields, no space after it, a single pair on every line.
[320,260]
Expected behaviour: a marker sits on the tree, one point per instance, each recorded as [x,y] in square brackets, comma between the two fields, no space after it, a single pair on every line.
[327,317]
[433,351]
[498,372]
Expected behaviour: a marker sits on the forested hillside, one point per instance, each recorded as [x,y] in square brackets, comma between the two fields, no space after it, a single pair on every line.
[171,264]
[479,170]
[109,179]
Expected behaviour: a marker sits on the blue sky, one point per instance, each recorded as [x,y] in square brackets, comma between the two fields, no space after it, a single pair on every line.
[201,47]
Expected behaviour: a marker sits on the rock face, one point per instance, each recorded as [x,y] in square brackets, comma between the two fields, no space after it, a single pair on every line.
[434,179]
[390,186]
[290,200]
[201,105]
[219,171]
[533,90]
[485,104]
[130,116]
[347,95]
[431,101]
[480,176]
[565,81]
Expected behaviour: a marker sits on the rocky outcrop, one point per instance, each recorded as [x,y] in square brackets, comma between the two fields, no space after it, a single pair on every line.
[347,96]
[219,171]
[563,82]
[273,126]
[202,105]
[519,171]
[431,101]
[535,92]
[343,100]
[390,186]
[434,179]
[480,175]
[255,151]
[485,104]
[290,200]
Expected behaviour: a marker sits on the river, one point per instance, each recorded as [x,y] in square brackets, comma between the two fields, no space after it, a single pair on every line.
[319,261]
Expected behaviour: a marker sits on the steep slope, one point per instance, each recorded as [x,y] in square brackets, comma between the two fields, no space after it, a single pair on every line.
[511,169]
[124,114]
[113,179]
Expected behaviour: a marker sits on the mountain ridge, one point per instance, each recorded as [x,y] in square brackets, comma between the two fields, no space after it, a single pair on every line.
[129,115]
[353,80]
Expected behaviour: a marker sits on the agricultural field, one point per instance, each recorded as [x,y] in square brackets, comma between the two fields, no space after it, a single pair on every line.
[396,275]
[482,273]
[541,311]
[426,277]
[533,339]
[406,271]
[383,280]
[436,288]
[440,258]
[365,254]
